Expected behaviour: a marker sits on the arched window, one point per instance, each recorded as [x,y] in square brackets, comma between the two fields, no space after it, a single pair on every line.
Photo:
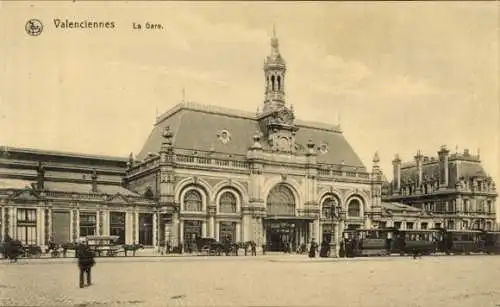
[354,208]
[279,83]
[193,201]
[272,83]
[227,203]
[280,201]
[328,207]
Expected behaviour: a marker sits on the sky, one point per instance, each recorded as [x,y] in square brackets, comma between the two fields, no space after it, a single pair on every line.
[400,77]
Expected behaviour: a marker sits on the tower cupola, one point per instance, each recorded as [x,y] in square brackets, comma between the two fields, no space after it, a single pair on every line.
[274,72]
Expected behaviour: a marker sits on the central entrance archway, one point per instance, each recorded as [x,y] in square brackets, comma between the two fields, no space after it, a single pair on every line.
[280,201]
[280,223]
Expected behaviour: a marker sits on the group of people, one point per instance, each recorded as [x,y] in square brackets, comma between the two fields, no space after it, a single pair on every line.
[347,248]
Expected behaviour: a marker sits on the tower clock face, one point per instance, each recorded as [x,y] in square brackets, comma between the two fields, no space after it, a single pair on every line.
[283,143]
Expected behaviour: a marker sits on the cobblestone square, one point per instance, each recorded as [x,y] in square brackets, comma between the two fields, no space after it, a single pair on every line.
[256,281]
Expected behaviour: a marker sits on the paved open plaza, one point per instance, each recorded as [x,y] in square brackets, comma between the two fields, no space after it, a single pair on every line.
[271,280]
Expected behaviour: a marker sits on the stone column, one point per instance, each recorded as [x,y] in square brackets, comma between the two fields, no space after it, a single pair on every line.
[2,223]
[211,221]
[12,222]
[76,223]
[98,220]
[106,222]
[71,225]
[239,234]
[204,229]
[217,231]
[136,225]
[128,227]
[39,230]
[316,231]
[336,229]
[175,230]
[155,230]
[245,227]
[258,226]
[181,232]
[368,222]
[41,242]
[49,224]
[310,232]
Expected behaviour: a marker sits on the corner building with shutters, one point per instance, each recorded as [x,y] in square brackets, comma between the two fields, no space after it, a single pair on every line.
[263,176]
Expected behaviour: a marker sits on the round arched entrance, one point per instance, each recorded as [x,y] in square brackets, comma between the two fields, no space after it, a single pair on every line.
[281,201]
[281,225]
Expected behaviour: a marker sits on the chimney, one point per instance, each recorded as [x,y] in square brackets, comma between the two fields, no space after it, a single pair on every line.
[418,160]
[443,166]
[94,181]
[40,178]
[396,163]
[376,167]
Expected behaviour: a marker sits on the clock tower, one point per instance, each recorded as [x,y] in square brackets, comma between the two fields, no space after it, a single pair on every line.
[276,120]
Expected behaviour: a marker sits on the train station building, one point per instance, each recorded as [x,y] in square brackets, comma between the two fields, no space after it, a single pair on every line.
[206,171]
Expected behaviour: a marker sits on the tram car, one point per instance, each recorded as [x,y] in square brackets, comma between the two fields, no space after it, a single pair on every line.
[492,242]
[463,241]
[367,242]
[415,241]
[386,241]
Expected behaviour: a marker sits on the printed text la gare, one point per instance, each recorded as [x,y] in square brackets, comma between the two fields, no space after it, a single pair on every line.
[147,26]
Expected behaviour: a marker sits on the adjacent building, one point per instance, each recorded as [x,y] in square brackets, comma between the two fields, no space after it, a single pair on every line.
[48,195]
[453,190]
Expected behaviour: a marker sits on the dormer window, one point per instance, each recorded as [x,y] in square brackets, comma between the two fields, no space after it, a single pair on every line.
[224,136]
[323,148]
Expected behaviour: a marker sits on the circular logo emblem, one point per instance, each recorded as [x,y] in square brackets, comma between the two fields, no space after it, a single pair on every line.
[34,27]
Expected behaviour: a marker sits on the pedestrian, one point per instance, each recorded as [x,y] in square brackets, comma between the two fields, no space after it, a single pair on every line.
[313,249]
[85,261]
[254,248]
[323,252]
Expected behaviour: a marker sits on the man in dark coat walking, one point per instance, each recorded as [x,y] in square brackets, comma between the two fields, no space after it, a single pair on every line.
[85,261]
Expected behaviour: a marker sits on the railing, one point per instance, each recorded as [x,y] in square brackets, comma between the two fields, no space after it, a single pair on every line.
[325,171]
[224,163]
[146,165]
[201,158]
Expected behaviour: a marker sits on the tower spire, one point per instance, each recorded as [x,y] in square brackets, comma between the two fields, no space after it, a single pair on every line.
[274,69]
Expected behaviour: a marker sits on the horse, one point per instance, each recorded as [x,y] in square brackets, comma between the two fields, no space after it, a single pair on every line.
[132,247]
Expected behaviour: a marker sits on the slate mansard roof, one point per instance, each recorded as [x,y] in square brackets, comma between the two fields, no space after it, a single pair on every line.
[470,166]
[196,127]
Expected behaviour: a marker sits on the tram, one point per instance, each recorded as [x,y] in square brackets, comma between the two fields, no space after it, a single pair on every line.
[386,241]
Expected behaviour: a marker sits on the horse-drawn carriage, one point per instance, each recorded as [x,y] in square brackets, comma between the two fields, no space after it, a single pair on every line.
[104,245]
[209,246]
[14,249]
